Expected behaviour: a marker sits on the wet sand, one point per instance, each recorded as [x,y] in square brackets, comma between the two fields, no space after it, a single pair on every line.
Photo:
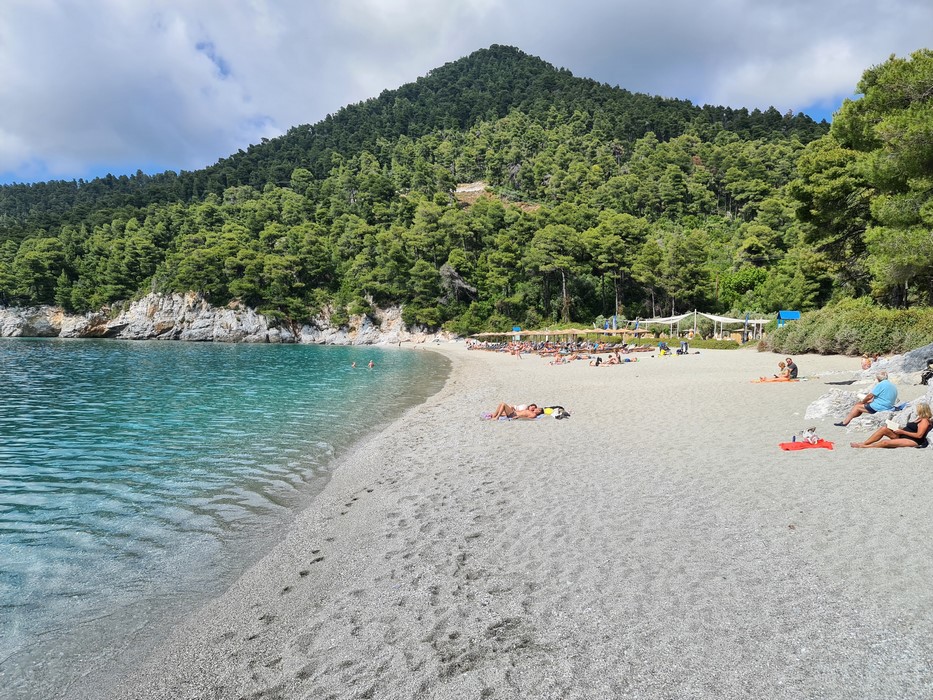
[657,544]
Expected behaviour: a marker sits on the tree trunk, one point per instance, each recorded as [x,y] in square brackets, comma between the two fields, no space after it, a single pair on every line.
[565,310]
[617,284]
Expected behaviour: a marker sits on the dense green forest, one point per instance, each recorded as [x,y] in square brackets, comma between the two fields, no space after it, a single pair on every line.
[599,201]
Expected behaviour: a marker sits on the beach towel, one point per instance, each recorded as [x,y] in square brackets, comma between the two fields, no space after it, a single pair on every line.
[804,445]
[766,380]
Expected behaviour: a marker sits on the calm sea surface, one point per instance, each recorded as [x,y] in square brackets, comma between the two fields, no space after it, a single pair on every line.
[138,479]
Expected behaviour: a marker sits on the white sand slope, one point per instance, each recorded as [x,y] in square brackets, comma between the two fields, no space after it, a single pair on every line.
[658,544]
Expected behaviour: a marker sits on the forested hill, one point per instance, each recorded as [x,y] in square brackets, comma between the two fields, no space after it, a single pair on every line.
[486,85]
[597,202]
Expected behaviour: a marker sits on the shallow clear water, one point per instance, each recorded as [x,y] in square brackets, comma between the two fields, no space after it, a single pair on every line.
[139,478]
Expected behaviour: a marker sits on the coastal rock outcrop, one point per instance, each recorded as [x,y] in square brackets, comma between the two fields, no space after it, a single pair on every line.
[190,317]
[385,328]
[900,368]
[32,322]
[899,365]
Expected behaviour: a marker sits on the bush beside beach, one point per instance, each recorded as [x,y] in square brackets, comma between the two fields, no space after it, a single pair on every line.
[853,327]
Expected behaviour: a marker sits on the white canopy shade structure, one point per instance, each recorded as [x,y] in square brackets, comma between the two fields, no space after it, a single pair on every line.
[755,324]
[641,326]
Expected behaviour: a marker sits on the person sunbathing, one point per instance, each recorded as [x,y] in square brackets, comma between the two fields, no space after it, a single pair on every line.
[914,434]
[504,410]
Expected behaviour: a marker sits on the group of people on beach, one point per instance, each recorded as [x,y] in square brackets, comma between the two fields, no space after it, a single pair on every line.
[561,353]
[883,397]
[787,369]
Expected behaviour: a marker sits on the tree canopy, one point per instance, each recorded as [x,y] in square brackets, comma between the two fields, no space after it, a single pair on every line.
[598,201]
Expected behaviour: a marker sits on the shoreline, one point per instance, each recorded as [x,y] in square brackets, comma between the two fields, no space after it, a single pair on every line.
[657,544]
[162,590]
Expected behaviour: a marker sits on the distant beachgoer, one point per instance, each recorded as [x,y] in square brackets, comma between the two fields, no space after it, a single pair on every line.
[353,365]
[504,410]
[914,434]
[783,372]
[882,397]
[866,361]
[927,375]
[791,368]
[371,364]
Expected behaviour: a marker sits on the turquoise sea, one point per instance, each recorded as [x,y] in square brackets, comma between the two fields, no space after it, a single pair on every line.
[138,479]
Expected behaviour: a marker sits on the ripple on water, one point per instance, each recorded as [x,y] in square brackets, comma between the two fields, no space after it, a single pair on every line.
[138,478]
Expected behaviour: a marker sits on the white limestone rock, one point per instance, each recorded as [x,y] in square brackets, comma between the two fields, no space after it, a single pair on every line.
[191,318]
[31,322]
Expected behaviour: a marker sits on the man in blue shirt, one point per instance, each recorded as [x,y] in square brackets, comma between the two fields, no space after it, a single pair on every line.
[882,397]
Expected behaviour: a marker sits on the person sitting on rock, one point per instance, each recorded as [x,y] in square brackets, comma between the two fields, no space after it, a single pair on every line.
[882,397]
[914,434]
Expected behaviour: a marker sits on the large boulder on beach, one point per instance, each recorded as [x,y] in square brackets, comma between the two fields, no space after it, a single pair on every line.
[913,361]
[836,404]
[900,367]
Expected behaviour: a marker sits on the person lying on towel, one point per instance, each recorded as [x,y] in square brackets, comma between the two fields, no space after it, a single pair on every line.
[504,410]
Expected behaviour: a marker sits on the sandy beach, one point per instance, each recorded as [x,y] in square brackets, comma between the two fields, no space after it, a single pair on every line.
[658,544]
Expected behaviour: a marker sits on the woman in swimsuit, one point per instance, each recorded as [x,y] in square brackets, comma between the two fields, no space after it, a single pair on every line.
[914,434]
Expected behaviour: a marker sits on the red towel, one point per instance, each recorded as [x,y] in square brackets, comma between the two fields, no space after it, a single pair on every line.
[804,445]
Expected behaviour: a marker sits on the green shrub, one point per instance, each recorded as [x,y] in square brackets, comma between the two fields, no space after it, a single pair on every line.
[853,327]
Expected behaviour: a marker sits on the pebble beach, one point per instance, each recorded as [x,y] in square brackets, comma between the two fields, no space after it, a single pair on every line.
[656,544]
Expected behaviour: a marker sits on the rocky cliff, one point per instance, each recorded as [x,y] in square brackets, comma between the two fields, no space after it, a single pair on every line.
[189,317]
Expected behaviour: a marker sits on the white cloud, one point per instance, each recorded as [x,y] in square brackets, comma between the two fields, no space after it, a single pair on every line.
[118,84]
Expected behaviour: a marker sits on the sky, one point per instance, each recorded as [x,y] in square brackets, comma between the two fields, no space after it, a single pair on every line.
[90,87]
